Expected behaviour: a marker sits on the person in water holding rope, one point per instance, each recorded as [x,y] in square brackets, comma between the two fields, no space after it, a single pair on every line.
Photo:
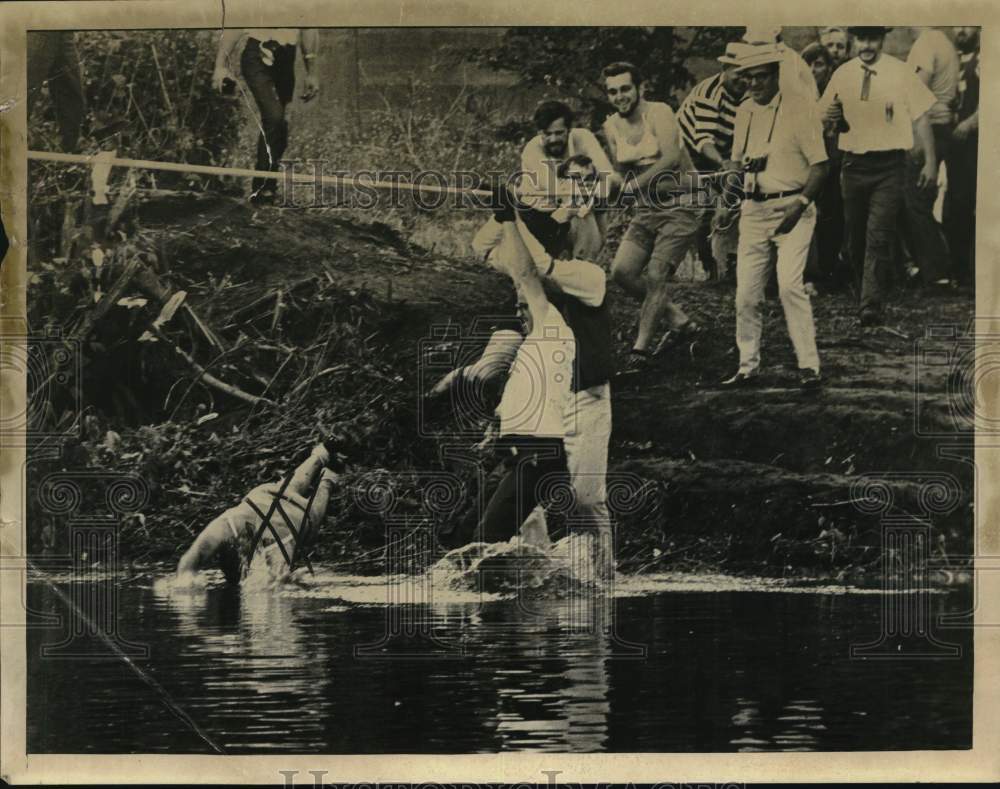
[540,407]
[229,541]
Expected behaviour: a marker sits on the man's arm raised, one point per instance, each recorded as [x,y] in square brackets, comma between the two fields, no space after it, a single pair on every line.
[227,41]
[309,39]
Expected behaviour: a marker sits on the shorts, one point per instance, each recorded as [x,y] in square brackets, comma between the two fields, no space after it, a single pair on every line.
[665,234]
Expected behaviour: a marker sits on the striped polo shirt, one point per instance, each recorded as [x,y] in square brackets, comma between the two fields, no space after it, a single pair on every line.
[706,116]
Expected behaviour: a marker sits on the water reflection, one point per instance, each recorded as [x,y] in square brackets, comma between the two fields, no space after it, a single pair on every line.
[280,670]
[559,700]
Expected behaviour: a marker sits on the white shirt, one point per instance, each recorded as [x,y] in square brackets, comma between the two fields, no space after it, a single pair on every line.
[538,169]
[934,54]
[581,279]
[643,148]
[538,392]
[884,121]
[282,35]
[796,141]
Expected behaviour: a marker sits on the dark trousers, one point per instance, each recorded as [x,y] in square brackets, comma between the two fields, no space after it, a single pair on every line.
[921,231]
[826,262]
[537,472]
[272,87]
[960,207]
[53,60]
[872,187]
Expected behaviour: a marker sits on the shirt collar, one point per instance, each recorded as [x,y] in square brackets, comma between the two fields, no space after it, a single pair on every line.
[874,68]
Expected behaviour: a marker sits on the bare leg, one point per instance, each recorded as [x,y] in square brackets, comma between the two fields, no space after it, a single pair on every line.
[656,304]
[302,478]
[322,499]
[627,267]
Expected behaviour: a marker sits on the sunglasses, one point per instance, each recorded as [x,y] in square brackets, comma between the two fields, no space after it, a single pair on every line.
[758,76]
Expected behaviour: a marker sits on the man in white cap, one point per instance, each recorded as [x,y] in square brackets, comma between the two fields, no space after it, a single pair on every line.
[706,119]
[781,150]
[707,113]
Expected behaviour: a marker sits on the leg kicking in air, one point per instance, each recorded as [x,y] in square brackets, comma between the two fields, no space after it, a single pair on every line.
[228,541]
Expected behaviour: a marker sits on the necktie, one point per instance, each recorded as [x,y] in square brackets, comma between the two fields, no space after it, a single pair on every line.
[866,82]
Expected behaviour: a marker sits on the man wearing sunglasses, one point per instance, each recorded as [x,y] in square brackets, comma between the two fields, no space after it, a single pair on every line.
[779,145]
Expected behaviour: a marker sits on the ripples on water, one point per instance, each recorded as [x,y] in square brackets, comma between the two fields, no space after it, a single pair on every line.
[664,663]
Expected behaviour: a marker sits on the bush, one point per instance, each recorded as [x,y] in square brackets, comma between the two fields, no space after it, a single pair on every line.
[149,95]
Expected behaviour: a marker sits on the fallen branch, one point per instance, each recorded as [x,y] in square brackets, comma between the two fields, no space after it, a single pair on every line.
[328,371]
[261,300]
[108,300]
[278,304]
[207,377]
[152,286]
[894,332]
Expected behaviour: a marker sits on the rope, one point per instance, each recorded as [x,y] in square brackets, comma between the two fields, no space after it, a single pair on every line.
[296,177]
[156,687]
[242,172]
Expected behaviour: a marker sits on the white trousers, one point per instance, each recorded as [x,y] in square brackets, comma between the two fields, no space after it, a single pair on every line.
[588,432]
[758,221]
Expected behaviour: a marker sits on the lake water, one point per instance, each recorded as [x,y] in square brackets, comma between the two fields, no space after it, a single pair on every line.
[671,663]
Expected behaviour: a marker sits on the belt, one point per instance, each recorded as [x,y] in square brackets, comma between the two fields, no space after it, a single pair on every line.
[760,197]
[887,155]
[269,41]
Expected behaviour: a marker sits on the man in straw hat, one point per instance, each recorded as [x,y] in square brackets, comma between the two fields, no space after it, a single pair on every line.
[780,148]
[796,77]
[880,106]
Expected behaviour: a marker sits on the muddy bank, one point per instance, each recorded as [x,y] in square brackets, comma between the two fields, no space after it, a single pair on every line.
[339,327]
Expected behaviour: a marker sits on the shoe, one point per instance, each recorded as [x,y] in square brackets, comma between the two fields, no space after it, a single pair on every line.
[686,334]
[810,379]
[639,361]
[264,197]
[741,379]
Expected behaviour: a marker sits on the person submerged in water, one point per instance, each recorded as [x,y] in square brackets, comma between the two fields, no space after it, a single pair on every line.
[228,540]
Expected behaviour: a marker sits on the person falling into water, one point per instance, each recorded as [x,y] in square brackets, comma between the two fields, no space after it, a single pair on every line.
[577,289]
[542,360]
[227,541]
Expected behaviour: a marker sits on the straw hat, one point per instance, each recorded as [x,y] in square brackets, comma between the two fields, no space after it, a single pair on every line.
[735,51]
[760,55]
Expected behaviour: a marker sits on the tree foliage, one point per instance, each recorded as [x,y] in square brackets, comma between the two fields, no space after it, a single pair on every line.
[570,59]
[149,94]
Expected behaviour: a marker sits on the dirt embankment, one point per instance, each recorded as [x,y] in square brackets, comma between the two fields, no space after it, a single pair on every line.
[334,322]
